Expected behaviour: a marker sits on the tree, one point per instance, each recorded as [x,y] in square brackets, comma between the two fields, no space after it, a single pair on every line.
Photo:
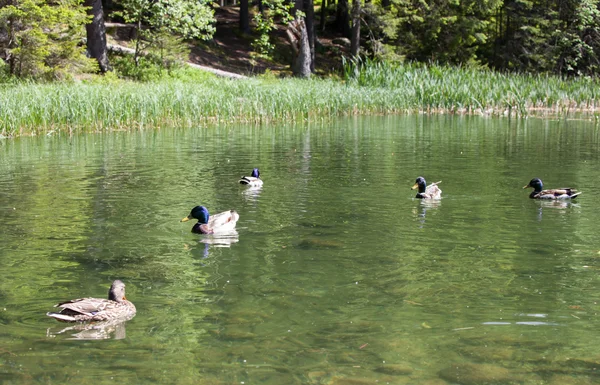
[342,19]
[355,38]
[42,38]
[265,23]
[309,20]
[96,34]
[156,19]
[298,37]
[445,31]
[244,16]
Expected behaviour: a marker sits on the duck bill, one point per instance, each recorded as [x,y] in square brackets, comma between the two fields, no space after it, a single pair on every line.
[185,219]
[524,187]
[415,186]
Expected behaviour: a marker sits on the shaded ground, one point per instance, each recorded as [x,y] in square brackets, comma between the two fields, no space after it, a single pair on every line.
[230,50]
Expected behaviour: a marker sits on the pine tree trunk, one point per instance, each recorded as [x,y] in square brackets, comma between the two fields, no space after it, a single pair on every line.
[298,37]
[96,34]
[355,40]
[309,10]
[244,17]
[341,18]
[324,4]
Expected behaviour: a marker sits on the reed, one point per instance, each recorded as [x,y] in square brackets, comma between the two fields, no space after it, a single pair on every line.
[454,89]
[369,88]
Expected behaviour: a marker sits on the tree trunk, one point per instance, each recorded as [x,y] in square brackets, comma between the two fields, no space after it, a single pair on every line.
[298,37]
[244,17]
[341,18]
[309,10]
[298,6]
[324,5]
[355,40]
[96,34]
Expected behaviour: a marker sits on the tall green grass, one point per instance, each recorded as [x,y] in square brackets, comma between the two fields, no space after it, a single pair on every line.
[369,88]
[456,89]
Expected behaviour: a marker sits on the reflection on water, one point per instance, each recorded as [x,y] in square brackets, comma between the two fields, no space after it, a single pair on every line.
[114,329]
[252,193]
[221,239]
[424,206]
[561,205]
[335,275]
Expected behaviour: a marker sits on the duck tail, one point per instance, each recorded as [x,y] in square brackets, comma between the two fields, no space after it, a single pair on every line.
[576,194]
[244,180]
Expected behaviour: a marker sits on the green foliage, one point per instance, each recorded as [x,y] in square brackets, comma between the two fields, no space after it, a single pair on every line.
[156,21]
[43,38]
[447,31]
[145,69]
[579,45]
[266,23]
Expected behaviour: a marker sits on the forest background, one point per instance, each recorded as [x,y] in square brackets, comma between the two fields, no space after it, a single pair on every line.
[43,39]
[382,56]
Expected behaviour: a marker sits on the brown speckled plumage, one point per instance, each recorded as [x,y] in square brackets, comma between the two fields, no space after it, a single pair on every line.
[97,309]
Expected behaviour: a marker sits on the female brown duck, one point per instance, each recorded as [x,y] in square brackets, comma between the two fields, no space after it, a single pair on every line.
[97,309]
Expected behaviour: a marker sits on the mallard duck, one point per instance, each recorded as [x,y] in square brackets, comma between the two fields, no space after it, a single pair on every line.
[427,192]
[559,193]
[253,180]
[97,309]
[212,224]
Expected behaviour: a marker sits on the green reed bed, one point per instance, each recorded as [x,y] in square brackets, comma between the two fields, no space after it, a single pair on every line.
[432,87]
[369,88]
[42,108]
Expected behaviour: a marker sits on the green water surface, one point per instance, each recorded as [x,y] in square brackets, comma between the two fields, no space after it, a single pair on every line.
[337,275]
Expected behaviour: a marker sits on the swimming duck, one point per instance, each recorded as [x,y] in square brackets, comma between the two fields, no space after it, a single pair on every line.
[219,223]
[427,192]
[560,193]
[253,180]
[97,309]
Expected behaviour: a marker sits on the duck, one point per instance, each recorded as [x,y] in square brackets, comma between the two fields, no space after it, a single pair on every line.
[253,180]
[97,309]
[427,192]
[219,223]
[560,193]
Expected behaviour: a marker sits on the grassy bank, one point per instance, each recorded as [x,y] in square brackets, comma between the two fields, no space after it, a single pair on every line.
[369,89]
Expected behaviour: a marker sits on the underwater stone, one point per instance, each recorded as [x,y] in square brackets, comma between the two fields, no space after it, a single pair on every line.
[476,374]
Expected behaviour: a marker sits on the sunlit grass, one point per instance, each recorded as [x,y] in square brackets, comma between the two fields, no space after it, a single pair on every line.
[369,88]
[460,89]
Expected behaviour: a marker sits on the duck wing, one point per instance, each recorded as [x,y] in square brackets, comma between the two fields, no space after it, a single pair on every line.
[85,309]
[251,181]
[224,221]
[559,193]
[433,191]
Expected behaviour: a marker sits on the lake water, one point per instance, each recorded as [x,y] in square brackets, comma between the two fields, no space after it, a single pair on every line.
[337,275]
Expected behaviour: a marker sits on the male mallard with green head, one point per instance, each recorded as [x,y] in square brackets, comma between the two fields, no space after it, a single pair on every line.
[427,192]
[560,193]
[253,180]
[219,223]
[97,309]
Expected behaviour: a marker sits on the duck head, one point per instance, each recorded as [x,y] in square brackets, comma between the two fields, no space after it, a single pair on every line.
[200,213]
[419,184]
[255,173]
[536,184]
[117,291]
